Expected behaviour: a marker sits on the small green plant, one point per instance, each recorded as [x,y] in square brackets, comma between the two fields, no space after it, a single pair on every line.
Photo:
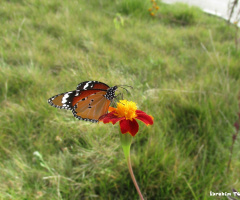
[42,162]
[118,21]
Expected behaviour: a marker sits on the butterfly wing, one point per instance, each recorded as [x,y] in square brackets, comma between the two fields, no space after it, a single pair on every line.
[63,100]
[92,107]
[67,100]
[88,85]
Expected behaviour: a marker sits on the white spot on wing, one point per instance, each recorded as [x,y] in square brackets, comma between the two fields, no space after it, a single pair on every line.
[64,99]
[85,86]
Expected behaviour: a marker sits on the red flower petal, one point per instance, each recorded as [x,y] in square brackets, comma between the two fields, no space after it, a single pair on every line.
[110,117]
[128,126]
[145,118]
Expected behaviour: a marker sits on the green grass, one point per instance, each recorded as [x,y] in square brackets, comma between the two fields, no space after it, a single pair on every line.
[185,71]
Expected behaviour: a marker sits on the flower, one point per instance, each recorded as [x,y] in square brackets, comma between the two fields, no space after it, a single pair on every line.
[152,13]
[126,113]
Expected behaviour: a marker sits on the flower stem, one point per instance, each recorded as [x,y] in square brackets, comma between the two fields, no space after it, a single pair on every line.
[126,141]
[133,177]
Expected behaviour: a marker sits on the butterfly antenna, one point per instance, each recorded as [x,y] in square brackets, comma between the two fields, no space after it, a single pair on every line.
[125,86]
[121,86]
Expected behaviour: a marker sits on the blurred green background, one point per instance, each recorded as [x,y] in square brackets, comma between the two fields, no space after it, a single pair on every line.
[183,66]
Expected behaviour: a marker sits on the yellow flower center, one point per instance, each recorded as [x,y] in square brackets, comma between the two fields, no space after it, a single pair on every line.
[126,109]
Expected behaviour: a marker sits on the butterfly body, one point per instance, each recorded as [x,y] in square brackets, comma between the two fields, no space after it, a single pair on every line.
[88,102]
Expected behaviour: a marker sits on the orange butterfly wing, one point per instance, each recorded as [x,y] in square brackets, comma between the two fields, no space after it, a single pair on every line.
[92,107]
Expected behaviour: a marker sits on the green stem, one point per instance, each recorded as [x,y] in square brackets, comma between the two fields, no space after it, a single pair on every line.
[126,141]
[133,178]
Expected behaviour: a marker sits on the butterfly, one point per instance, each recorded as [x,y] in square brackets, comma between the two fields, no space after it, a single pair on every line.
[88,102]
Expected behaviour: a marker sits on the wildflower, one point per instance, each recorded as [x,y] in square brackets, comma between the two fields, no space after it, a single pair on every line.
[127,113]
[154,7]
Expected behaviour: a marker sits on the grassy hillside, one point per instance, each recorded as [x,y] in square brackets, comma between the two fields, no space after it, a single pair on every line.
[183,66]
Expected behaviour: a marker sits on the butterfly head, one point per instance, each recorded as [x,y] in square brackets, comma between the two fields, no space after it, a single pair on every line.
[110,95]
